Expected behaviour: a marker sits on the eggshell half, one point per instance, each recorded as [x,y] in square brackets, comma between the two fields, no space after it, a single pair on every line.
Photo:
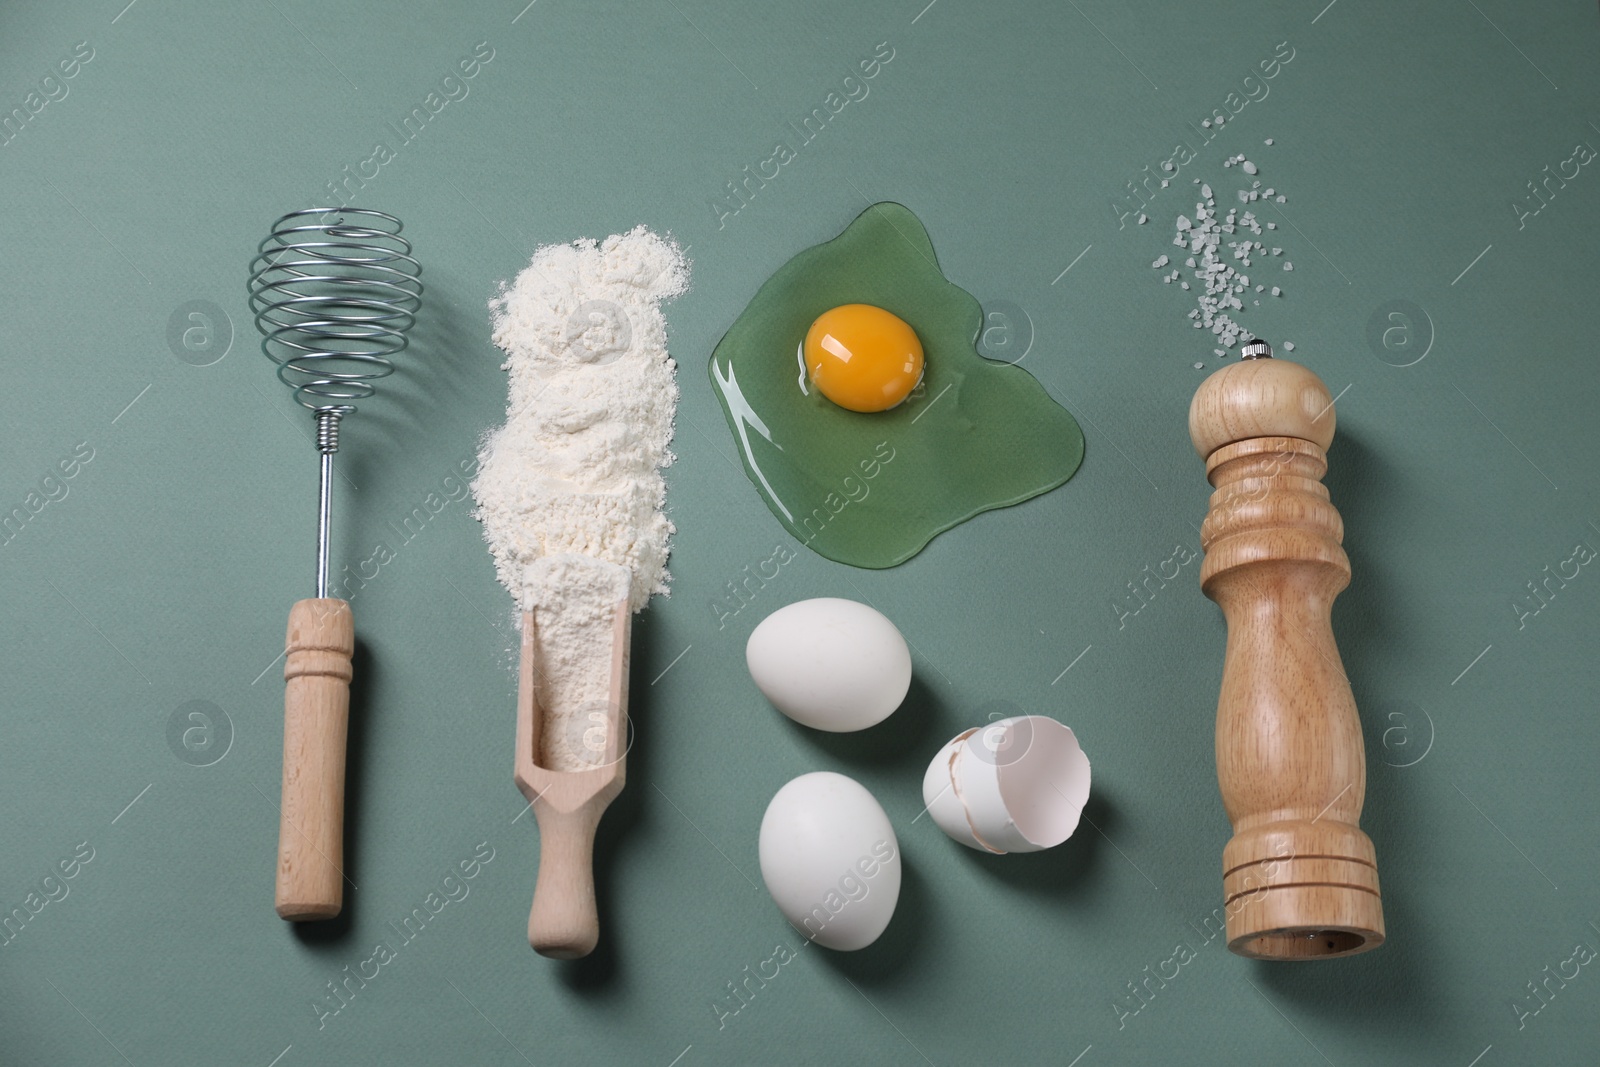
[830,860]
[1016,785]
[830,664]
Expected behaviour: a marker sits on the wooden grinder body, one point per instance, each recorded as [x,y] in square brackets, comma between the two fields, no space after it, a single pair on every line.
[1300,878]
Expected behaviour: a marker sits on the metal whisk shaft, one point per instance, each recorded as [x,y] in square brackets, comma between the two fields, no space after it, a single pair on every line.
[327,445]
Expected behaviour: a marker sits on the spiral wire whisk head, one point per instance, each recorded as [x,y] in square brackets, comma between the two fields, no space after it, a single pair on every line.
[334,291]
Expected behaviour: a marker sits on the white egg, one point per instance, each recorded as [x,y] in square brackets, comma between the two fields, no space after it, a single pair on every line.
[830,860]
[830,664]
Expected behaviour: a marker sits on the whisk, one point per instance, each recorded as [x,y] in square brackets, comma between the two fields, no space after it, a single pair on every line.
[334,291]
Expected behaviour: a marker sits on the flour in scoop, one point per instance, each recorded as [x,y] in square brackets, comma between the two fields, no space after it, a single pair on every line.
[569,489]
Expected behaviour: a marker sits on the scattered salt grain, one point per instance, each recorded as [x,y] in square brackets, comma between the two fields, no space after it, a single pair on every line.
[1143,219]
[1288,346]
[1268,141]
[1276,291]
[1249,167]
[1287,265]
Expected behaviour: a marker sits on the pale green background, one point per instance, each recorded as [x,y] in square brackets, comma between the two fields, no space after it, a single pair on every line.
[1403,133]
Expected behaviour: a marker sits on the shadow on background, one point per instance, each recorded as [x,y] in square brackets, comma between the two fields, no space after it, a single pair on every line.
[1066,871]
[903,740]
[431,376]
[1390,988]
[331,933]
[903,944]
[598,971]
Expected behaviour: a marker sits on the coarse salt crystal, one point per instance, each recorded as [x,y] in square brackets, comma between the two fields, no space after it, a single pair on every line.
[1249,167]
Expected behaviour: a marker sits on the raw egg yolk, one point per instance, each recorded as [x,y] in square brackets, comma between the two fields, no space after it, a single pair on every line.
[862,357]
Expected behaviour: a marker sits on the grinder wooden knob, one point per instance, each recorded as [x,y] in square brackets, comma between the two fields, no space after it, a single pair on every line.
[1300,878]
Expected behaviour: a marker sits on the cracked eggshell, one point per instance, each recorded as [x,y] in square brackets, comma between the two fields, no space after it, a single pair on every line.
[830,664]
[1016,785]
[830,860]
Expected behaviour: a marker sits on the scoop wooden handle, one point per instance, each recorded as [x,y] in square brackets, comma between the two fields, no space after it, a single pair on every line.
[564,923]
[316,717]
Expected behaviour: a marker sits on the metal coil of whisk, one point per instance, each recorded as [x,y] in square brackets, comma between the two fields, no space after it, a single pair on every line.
[335,292]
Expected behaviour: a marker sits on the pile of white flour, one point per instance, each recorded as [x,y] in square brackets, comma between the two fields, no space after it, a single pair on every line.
[569,490]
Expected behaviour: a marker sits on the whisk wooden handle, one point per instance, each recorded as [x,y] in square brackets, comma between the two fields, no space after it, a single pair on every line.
[316,717]
[1300,878]
[565,923]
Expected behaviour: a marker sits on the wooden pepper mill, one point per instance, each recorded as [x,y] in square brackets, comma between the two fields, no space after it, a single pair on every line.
[1300,878]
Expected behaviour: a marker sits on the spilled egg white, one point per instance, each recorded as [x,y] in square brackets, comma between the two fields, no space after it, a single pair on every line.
[830,859]
[830,664]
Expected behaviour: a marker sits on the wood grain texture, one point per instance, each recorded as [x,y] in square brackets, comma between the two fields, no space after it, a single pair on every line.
[316,718]
[1300,878]
[1260,398]
[564,922]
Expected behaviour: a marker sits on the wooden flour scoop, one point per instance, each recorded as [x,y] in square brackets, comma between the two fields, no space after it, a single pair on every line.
[564,923]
